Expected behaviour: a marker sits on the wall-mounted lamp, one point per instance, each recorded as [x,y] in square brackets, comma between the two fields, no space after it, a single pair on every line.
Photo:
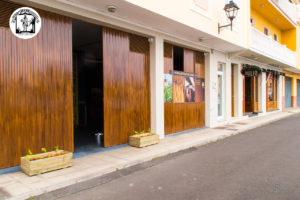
[111,8]
[231,10]
[150,39]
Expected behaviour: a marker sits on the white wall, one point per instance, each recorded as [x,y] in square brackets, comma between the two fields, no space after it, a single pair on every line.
[211,92]
[206,20]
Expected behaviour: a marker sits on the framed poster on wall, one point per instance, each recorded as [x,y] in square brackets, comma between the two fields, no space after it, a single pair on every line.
[189,89]
[200,90]
[168,93]
[178,89]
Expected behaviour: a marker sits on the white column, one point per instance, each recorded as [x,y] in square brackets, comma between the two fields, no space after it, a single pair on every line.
[262,92]
[279,93]
[227,88]
[157,86]
[209,102]
[238,91]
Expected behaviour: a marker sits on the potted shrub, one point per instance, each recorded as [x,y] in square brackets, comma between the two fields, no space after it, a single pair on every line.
[142,139]
[46,161]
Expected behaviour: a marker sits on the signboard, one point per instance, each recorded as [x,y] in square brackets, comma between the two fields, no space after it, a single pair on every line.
[180,73]
[251,70]
[251,73]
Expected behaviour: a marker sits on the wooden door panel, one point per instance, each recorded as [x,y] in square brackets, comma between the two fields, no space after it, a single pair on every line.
[188,60]
[35,88]
[199,65]
[184,116]
[168,58]
[126,85]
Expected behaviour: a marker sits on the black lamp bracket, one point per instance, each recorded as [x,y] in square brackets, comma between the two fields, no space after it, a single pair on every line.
[223,26]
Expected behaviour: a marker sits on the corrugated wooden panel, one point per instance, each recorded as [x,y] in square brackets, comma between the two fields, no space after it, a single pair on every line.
[137,84]
[35,89]
[188,60]
[168,58]
[126,85]
[6,9]
[199,64]
[184,116]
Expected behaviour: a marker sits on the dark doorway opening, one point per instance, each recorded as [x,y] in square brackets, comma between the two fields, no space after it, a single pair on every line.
[178,58]
[251,96]
[248,95]
[87,84]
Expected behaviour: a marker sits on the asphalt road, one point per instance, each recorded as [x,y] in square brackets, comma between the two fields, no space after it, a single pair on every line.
[263,163]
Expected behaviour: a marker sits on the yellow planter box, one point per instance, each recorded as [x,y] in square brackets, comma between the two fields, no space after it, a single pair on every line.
[51,161]
[143,140]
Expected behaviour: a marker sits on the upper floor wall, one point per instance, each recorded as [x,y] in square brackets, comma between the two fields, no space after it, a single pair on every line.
[289,8]
[204,15]
[270,18]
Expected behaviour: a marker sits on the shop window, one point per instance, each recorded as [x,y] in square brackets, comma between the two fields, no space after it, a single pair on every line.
[275,37]
[266,31]
[178,58]
[252,21]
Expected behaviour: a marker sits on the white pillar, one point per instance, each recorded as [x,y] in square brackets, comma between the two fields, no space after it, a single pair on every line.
[209,106]
[157,86]
[262,92]
[238,91]
[227,88]
[279,93]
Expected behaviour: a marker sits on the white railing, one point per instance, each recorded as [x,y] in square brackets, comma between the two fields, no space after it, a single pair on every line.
[266,46]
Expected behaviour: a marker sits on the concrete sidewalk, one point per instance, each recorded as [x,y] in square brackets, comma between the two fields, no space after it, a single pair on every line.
[20,186]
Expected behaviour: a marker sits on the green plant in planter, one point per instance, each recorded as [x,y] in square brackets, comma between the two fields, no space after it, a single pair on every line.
[149,131]
[28,155]
[142,132]
[138,133]
[44,150]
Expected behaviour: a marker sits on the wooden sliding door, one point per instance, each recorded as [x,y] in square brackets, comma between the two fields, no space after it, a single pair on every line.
[250,94]
[126,85]
[271,92]
[179,114]
[35,87]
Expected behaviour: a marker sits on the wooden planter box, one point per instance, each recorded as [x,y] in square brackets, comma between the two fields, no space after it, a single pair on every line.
[33,167]
[143,140]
